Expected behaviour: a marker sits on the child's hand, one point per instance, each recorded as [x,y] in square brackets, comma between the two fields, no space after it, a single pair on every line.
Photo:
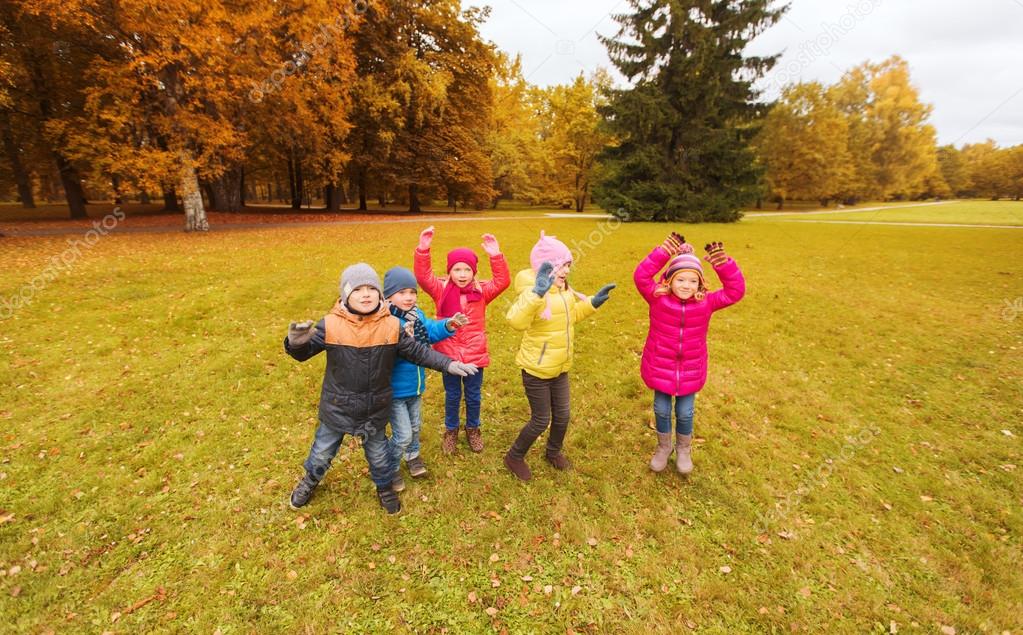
[426,238]
[602,296]
[299,333]
[716,255]
[490,245]
[673,243]
[462,370]
[457,321]
[544,279]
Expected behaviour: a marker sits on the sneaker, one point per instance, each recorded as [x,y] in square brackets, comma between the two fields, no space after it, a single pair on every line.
[475,439]
[559,461]
[518,467]
[449,441]
[303,492]
[398,483]
[416,467]
[389,500]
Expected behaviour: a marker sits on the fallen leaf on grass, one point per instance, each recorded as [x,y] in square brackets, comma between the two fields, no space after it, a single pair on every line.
[576,590]
[926,499]
[292,575]
[805,592]
[472,597]
[725,569]
[948,630]
[592,542]
[491,611]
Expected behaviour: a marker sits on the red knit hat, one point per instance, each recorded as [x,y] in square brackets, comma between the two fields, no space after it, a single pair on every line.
[462,254]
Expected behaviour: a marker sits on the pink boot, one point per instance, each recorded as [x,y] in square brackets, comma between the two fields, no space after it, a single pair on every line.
[683,456]
[661,454]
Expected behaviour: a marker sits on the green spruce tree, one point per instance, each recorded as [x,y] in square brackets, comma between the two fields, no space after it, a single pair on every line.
[683,128]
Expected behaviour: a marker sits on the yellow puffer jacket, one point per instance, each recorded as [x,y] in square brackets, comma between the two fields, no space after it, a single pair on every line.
[546,349]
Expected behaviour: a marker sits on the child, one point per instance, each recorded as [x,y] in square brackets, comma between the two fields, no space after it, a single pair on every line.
[362,340]
[547,310]
[460,291]
[675,355]
[408,381]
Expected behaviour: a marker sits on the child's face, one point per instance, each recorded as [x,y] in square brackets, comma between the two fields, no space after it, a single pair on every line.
[461,274]
[364,299]
[561,275]
[404,299]
[685,284]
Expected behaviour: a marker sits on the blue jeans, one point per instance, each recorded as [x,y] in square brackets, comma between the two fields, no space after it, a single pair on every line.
[326,443]
[684,408]
[406,422]
[453,399]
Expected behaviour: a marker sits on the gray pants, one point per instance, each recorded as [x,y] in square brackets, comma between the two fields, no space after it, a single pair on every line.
[549,405]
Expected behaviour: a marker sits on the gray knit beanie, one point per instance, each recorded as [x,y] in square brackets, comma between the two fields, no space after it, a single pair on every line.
[357,275]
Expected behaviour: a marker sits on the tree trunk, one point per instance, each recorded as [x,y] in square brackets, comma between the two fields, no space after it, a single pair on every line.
[195,213]
[413,199]
[332,198]
[72,183]
[362,190]
[21,177]
[225,192]
[115,183]
[170,200]
[144,198]
[295,180]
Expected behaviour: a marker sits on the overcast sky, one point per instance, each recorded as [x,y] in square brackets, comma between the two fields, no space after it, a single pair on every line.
[966,59]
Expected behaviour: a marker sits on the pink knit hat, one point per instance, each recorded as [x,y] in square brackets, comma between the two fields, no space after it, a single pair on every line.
[549,249]
[463,254]
[686,260]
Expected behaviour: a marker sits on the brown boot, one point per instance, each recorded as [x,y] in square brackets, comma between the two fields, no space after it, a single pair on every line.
[450,440]
[518,467]
[475,439]
[559,461]
[683,457]
[661,454]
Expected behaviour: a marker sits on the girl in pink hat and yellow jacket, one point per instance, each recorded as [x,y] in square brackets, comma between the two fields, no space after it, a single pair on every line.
[674,362]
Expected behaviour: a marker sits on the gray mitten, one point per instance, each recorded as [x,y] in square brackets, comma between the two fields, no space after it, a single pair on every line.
[299,333]
[462,370]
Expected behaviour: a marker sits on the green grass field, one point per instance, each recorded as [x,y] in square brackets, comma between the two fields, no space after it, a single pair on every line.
[964,212]
[856,461]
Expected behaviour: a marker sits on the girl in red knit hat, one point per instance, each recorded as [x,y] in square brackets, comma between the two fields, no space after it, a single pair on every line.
[460,292]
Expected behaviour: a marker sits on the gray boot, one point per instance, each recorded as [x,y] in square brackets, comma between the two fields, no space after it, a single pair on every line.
[683,456]
[661,454]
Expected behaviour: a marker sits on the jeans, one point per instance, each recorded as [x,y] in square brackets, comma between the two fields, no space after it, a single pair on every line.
[453,399]
[549,404]
[685,406]
[406,422]
[326,443]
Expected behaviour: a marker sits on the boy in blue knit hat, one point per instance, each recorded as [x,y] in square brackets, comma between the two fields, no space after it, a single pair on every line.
[408,381]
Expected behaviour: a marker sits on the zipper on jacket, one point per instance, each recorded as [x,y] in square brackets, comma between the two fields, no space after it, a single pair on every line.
[681,349]
[542,351]
[568,325]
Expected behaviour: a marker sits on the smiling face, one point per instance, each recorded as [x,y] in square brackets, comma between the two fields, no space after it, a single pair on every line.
[685,284]
[561,275]
[461,274]
[404,299]
[364,299]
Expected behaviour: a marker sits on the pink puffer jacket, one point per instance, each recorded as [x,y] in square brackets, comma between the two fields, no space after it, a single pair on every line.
[675,354]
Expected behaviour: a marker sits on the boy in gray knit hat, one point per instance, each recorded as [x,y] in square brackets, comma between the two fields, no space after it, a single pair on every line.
[362,341]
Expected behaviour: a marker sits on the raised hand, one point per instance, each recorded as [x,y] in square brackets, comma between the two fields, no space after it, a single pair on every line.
[544,279]
[602,296]
[490,245]
[299,333]
[426,239]
[457,321]
[462,370]
[716,255]
[673,243]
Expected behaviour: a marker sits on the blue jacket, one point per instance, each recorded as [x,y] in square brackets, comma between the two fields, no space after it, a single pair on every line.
[407,379]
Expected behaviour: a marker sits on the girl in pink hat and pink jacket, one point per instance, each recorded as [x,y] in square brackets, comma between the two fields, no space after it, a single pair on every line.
[674,362]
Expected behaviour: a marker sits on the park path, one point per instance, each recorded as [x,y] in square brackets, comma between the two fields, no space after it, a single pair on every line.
[898,223]
[846,211]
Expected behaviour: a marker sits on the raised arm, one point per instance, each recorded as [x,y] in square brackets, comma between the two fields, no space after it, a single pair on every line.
[422,266]
[730,275]
[305,339]
[647,270]
[498,266]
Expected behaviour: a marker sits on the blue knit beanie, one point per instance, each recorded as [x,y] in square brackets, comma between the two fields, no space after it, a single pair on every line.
[398,278]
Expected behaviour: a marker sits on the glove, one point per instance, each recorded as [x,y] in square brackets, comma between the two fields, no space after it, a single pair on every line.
[457,321]
[673,243]
[426,238]
[462,370]
[544,279]
[299,333]
[716,255]
[602,296]
[490,245]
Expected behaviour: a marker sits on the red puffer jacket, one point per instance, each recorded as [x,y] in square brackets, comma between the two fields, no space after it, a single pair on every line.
[469,343]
